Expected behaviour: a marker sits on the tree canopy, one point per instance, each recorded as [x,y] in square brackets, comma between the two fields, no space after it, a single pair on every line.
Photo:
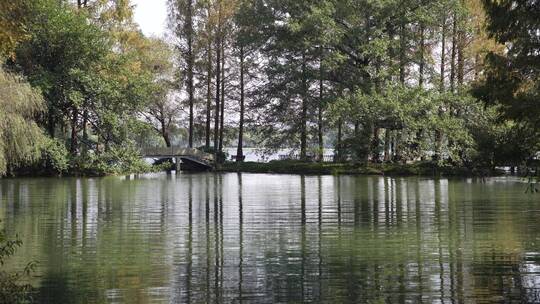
[448,81]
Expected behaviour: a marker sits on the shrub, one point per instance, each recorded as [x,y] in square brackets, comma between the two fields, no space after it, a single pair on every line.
[221,156]
[11,288]
[55,157]
[118,160]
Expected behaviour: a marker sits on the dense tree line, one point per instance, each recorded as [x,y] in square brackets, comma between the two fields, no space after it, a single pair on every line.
[448,81]
[98,78]
[378,80]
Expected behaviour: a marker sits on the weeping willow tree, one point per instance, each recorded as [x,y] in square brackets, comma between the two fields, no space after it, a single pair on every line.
[21,138]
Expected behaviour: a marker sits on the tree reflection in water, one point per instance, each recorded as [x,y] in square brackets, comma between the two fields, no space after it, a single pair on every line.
[243,238]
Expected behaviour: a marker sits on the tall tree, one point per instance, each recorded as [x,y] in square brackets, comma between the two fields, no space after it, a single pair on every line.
[162,109]
[223,80]
[246,42]
[190,63]
[181,16]
[217,47]
[240,147]
[207,41]
[320,110]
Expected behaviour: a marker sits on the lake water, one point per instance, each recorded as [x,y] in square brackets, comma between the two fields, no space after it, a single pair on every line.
[245,238]
[263,156]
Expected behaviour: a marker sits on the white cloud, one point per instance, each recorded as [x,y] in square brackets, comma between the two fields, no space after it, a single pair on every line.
[151,15]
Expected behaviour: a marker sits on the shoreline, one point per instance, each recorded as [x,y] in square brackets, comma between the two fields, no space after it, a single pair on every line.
[423,169]
[382,169]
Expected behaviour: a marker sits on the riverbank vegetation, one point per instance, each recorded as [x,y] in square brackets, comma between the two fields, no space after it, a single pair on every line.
[426,168]
[384,83]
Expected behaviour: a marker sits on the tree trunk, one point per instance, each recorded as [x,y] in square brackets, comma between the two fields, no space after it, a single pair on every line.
[387,139]
[218,84]
[303,127]
[85,125]
[398,145]
[421,77]
[85,128]
[74,141]
[402,66]
[453,58]
[338,152]
[402,52]
[375,144]
[438,133]
[320,115]
[222,105]
[208,95]
[189,34]
[422,60]
[218,88]
[443,52]
[239,150]
[368,131]
[393,144]
[460,57]
[165,134]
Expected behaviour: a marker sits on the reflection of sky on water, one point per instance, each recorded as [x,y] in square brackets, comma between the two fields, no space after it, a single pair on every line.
[276,238]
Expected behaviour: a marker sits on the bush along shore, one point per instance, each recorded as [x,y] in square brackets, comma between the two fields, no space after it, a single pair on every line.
[55,161]
[392,169]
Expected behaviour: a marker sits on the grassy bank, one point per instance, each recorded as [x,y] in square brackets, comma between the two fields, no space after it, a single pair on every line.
[297,167]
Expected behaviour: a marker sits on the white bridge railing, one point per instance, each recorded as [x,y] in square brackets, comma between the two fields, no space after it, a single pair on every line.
[177,152]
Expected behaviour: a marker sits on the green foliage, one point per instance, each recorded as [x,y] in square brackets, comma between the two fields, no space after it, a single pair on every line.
[222,156]
[414,112]
[13,18]
[357,148]
[60,58]
[20,137]
[369,67]
[120,93]
[11,288]
[94,77]
[54,157]
[512,77]
[118,160]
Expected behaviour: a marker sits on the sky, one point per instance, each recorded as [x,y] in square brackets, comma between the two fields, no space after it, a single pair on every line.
[151,15]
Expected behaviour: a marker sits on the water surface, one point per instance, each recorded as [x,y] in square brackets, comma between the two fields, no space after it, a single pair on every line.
[246,238]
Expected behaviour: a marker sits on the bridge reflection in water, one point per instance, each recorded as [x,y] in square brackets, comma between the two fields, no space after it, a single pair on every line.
[186,159]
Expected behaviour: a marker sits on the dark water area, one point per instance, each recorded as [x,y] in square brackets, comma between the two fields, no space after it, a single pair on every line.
[248,238]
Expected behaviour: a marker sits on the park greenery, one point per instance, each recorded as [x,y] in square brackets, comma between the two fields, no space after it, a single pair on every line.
[445,83]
